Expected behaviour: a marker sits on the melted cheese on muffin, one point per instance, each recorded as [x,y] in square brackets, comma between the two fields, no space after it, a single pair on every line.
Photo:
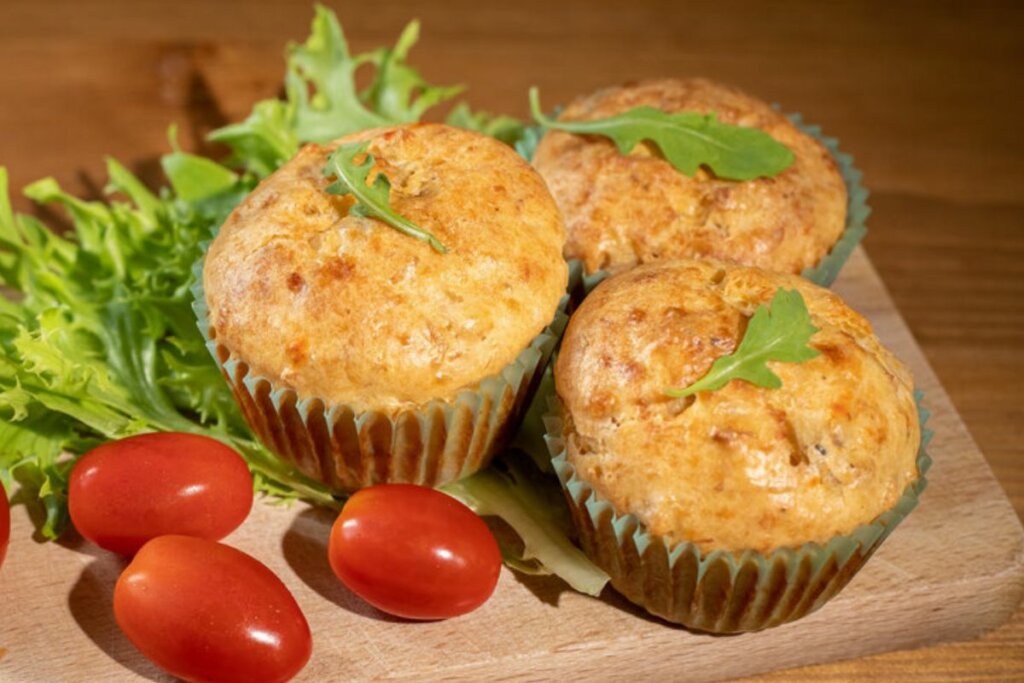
[624,210]
[348,309]
[744,466]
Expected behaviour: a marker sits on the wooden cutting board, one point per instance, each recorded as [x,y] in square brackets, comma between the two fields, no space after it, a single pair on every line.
[953,569]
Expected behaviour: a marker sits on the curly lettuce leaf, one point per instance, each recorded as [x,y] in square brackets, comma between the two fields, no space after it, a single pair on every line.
[98,340]
[398,92]
[507,129]
[322,101]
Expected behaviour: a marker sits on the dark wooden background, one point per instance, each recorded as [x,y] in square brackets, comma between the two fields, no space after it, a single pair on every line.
[926,95]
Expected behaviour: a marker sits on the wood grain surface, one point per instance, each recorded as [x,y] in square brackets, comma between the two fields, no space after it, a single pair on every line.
[913,592]
[926,96]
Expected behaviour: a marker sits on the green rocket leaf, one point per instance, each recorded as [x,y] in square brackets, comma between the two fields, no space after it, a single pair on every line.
[372,199]
[98,339]
[779,334]
[687,140]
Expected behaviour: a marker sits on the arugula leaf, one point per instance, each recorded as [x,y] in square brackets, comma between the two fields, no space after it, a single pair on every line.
[687,140]
[372,198]
[98,340]
[532,504]
[779,334]
[322,101]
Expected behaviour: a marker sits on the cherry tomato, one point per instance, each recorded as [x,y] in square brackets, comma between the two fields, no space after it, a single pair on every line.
[5,524]
[203,611]
[126,492]
[414,552]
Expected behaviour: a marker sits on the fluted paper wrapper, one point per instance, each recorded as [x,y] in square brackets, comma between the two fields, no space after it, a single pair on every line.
[347,449]
[857,209]
[720,591]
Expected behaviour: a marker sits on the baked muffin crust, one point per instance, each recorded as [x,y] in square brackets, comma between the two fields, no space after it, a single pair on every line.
[348,309]
[624,210]
[742,467]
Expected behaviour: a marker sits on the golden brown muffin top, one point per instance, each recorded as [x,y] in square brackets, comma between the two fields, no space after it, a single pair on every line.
[624,210]
[743,466]
[352,311]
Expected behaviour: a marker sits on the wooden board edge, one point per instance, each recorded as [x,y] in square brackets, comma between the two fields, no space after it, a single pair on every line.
[584,661]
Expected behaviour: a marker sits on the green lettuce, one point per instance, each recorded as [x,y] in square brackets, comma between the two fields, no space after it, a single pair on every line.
[322,101]
[521,489]
[499,126]
[530,502]
[98,340]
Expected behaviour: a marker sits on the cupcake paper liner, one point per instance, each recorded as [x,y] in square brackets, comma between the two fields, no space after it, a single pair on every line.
[857,209]
[430,444]
[721,591]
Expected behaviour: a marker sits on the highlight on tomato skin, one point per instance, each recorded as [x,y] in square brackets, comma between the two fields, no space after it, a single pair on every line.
[5,524]
[204,611]
[124,493]
[414,552]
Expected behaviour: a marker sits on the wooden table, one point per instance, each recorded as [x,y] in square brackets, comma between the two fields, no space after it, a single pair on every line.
[925,95]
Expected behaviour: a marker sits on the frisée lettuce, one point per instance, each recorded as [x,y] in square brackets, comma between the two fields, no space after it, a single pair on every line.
[98,340]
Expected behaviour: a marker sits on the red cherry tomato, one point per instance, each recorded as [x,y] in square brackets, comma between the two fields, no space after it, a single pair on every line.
[204,611]
[126,492]
[414,552]
[5,524]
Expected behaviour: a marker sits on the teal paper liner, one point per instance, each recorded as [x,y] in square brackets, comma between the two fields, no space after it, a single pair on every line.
[857,209]
[721,591]
[347,449]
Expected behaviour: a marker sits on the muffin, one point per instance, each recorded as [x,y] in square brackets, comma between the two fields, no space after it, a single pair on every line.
[624,210]
[363,355]
[739,508]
